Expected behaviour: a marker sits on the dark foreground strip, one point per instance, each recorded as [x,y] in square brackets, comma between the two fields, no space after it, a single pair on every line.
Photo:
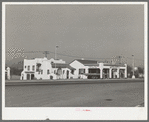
[69,82]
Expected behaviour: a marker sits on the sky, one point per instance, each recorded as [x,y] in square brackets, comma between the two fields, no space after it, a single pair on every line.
[82,31]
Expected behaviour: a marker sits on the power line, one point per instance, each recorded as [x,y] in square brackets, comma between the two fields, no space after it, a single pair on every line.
[135,59]
[48,52]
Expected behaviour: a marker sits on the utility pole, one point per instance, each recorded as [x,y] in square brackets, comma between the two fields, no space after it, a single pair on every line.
[55,54]
[133,76]
[119,59]
[46,53]
[127,60]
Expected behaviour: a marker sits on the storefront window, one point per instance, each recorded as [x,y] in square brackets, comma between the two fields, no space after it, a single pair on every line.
[81,71]
[94,70]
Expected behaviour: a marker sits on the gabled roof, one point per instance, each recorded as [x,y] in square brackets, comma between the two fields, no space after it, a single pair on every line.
[59,65]
[71,68]
[87,62]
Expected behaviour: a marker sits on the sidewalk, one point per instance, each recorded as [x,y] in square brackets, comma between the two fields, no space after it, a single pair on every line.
[70,81]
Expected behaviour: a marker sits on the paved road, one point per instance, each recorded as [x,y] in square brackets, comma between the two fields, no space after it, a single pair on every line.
[76,95]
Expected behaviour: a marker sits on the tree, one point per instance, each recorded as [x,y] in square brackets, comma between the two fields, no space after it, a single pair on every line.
[15,71]
[136,73]
[129,71]
[141,70]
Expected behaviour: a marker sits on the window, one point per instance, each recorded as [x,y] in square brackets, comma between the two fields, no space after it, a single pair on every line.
[81,71]
[94,70]
[38,65]
[59,71]
[48,72]
[25,67]
[28,68]
[33,67]
[72,71]
[41,71]
[54,71]
[63,71]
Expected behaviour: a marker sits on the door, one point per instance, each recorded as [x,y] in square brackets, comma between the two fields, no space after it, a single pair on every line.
[121,73]
[22,77]
[67,74]
[32,76]
[28,76]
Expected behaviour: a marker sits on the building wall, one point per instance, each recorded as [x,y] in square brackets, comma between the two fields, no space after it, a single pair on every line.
[77,65]
[7,73]
[43,73]
[46,65]
[111,74]
[28,67]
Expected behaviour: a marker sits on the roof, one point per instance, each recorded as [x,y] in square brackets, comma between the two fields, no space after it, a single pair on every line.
[87,62]
[69,67]
[114,65]
[91,64]
[58,65]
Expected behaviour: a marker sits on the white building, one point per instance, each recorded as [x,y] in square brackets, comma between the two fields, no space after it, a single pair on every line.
[92,69]
[42,68]
[7,73]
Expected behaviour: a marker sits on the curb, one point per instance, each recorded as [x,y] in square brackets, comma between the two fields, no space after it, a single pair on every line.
[58,82]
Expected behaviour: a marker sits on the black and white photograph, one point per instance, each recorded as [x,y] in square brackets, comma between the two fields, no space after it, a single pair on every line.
[74,60]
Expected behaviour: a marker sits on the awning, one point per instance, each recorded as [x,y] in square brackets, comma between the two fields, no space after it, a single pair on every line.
[29,72]
[91,74]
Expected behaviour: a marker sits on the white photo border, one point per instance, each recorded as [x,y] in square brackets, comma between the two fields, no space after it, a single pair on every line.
[70,113]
